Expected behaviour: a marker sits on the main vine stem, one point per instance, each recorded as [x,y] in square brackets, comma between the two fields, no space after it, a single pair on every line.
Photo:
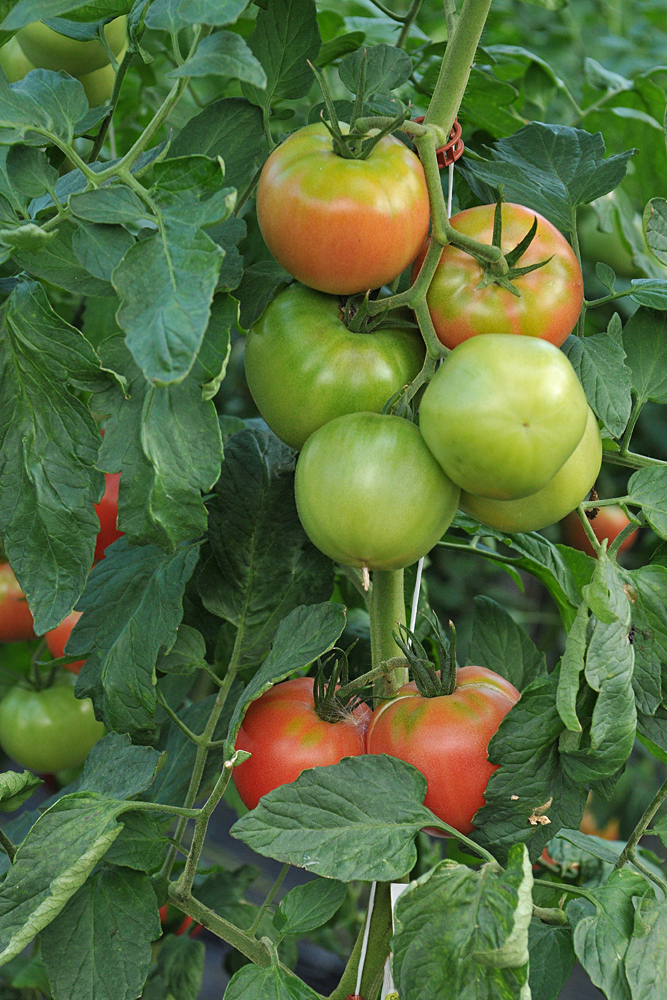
[387,610]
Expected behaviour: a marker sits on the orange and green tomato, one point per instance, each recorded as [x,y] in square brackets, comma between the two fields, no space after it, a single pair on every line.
[56,640]
[15,617]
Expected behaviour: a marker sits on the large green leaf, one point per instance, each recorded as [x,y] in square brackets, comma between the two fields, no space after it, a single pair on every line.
[599,363]
[285,38]
[271,983]
[231,128]
[500,644]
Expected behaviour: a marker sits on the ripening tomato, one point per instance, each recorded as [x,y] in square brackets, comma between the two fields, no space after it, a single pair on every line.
[446,738]
[304,367]
[571,484]
[369,492]
[342,226]
[502,414]
[285,735]
[551,296]
[48,730]
[107,512]
[608,523]
[57,638]
[15,616]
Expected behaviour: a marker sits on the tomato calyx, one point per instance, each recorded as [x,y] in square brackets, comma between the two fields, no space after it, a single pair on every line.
[333,697]
[431,681]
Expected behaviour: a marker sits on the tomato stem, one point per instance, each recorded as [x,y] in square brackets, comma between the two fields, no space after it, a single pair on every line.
[628,853]
[387,611]
[376,954]
[590,534]
[269,899]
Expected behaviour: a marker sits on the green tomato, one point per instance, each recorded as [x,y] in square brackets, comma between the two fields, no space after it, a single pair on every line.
[502,414]
[14,61]
[48,49]
[370,494]
[99,85]
[48,730]
[304,367]
[571,484]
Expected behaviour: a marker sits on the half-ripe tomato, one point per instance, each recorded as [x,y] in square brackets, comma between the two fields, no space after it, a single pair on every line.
[551,296]
[48,730]
[502,414]
[370,494]
[57,638]
[107,512]
[608,523]
[342,226]
[446,738]
[285,735]
[304,367]
[15,616]
[571,484]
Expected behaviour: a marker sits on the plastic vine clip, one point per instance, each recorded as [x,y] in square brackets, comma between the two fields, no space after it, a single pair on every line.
[354,996]
[453,150]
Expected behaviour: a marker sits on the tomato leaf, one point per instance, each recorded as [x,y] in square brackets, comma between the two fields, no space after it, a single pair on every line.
[100,945]
[549,168]
[141,844]
[258,287]
[552,959]
[117,769]
[254,494]
[44,104]
[499,644]
[186,655]
[458,929]
[180,969]
[223,54]
[173,15]
[285,39]
[29,171]
[305,634]
[372,802]
[648,489]
[571,667]
[145,586]
[116,205]
[387,67]
[100,248]
[645,342]
[15,789]
[26,11]
[646,588]
[599,362]
[651,292]
[271,983]
[308,906]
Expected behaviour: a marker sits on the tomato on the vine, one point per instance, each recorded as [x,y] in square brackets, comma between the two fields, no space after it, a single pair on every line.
[304,366]
[550,297]
[571,484]
[502,414]
[174,921]
[50,729]
[342,225]
[607,523]
[370,494]
[446,738]
[15,615]
[56,640]
[285,735]
[107,512]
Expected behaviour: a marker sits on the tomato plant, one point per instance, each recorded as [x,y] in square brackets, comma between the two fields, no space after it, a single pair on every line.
[338,225]
[549,298]
[607,523]
[285,735]
[571,484]
[446,737]
[502,414]
[369,493]
[48,730]
[16,621]
[56,640]
[304,366]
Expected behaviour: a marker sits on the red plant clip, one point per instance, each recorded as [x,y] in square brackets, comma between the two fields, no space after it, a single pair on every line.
[354,996]
[453,150]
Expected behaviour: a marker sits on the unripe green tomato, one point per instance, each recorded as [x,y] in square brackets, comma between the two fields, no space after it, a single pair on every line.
[99,84]
[48,49]
[14,61]
[369,492]
[502,414]
[304,367]
[48,730]
[571,484]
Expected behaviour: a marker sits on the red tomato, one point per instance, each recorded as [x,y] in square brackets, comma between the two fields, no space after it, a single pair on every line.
[608,523]
[446,738]
[285,736]
[15,616]
[107,512]
[57,638]
[174,921]
[551,297]
[342,226]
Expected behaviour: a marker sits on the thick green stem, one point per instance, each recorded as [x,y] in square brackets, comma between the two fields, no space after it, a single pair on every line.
[387,610]
[408,22]
[249,946]
[628,852]
[586,524]
[550,915]
[7,846]
[106,122]
[630,459]
[634,417]
[376,953]
[456,65]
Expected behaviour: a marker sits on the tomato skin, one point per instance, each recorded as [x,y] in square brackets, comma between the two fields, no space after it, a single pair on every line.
[107,512]
[48,730]
[15,616]
[56,640]
[174,921]
[369,492]
[304,367]
[285,736]
[48,49]
[571,484]
[446,738]
[342,226]
[502,414]
[551,296]
[608,523]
